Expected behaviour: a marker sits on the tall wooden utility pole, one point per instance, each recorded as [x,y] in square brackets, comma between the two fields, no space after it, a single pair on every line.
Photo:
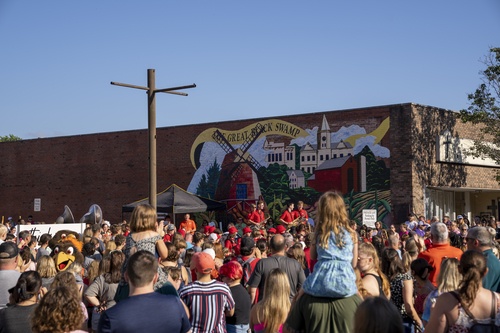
[151,90]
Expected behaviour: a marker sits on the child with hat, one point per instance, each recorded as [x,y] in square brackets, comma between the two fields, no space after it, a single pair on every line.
[208,300]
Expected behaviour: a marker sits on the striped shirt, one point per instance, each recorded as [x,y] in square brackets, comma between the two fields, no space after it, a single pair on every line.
[207,302]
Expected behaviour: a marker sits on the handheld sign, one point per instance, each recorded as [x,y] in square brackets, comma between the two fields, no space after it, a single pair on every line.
[38,230]
[369,217]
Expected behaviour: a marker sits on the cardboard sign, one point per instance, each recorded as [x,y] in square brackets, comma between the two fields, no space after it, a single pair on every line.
[369,217]
[38,230]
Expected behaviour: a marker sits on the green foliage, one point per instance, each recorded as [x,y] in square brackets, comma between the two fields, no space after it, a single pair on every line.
[10,137]
[275,189]
[208,183]
[484,109]
[377,174]
[356,202]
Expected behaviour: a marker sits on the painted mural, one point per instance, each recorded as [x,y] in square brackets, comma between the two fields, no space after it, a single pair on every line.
[277,162]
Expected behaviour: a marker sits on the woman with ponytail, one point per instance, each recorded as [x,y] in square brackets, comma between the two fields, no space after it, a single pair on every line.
[375,283]
[450,311]
[23,301]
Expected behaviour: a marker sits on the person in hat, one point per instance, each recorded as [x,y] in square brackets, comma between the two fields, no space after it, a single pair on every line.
[231,243]
[247,232]
[247,258]
[8,274]
[209,301]
[280,229]
[270,233]
[169,235]
[213,238]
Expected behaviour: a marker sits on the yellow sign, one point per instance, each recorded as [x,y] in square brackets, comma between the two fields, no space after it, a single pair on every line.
[236,137]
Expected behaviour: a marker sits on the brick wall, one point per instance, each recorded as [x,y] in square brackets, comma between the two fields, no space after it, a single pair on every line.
[111,169]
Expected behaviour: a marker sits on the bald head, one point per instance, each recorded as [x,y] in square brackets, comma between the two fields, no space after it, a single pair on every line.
[277,244]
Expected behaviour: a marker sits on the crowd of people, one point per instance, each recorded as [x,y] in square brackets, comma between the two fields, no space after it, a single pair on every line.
[328,276]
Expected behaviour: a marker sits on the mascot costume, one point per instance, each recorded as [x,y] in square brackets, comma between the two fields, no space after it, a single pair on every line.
[66,250]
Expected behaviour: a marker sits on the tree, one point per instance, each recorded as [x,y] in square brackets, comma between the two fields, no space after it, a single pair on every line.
[484,109]
[10,137]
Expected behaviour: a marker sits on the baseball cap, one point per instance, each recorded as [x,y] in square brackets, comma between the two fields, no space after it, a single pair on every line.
[8,250]
[246,230]
[459,217]
[271,231]
[170,227]
[233,230]
[211,253]
[202,262]
[280,229]
[212,237]
[247,242]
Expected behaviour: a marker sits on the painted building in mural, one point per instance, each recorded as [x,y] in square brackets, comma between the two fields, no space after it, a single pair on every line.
[396,159]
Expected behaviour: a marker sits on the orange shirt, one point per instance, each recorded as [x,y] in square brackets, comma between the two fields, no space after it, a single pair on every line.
[435,256]
[188,225]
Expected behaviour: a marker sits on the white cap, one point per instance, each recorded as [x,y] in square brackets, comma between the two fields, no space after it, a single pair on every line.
[211,252]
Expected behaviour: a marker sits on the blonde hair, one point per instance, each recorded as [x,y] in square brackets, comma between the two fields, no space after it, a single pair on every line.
[332,217]
[449,277]
[46,267]
[93,270]
[275,304]
[369,250]
[109,246]
[411,252]
[3,231]
[143,218]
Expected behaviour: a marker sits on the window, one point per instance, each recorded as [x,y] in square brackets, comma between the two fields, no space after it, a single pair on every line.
[308,158]
[321,157]
[314,157]
[303,159]
[334,155]
[241,191]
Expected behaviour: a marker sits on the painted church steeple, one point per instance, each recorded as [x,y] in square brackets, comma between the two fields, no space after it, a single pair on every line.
[324,137]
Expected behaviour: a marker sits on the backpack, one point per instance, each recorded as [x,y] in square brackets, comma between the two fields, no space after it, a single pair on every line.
[478,327]
[247,271]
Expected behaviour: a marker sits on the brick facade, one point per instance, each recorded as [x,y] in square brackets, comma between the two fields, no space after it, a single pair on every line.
[111,169]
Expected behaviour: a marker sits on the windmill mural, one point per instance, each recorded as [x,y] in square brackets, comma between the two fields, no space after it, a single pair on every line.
[266,159]
[239,170]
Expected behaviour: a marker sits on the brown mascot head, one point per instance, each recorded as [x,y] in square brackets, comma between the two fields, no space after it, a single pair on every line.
[67,251]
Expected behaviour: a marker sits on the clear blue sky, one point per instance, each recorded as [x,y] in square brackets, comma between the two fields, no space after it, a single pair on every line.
[248,58]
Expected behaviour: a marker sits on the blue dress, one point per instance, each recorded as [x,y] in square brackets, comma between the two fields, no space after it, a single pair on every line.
[333,275]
